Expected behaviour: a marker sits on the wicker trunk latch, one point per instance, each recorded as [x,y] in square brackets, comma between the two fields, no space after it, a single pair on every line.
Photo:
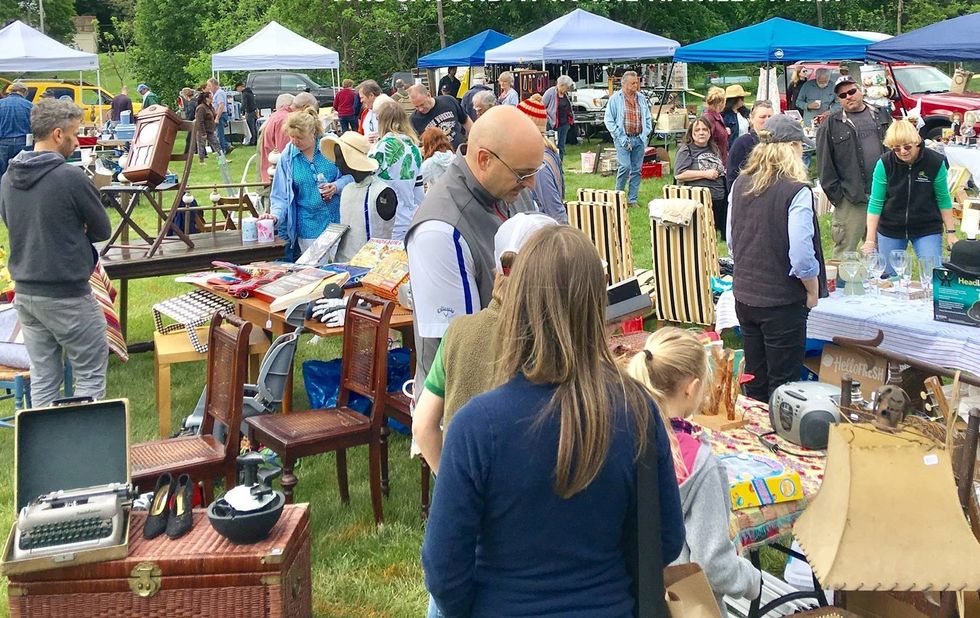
[144,581]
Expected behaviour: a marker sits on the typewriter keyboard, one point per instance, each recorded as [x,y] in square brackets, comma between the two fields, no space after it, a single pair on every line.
[66,532]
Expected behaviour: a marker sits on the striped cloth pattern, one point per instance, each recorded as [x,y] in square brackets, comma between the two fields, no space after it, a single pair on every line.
[105,293]
[684,260]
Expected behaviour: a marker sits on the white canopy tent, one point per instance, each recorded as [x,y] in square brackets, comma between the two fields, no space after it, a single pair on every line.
[276,47]
[581,35]
[25,50]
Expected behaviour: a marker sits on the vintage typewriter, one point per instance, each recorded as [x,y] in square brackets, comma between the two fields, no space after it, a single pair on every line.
[66,521]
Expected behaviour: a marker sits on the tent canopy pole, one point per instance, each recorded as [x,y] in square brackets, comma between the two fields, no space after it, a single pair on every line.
[663,96]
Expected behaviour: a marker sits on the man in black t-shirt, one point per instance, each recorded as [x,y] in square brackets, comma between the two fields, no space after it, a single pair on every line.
[444,112]
[449,85]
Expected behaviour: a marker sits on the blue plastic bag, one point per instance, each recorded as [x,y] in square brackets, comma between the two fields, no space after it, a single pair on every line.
[322,381]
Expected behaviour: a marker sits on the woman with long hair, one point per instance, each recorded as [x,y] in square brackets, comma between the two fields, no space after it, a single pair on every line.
[774,237]
[698,163]
[555,447]
[399,161]
[674,366]
[306,187]
[205,127]
[714,105]
[735,114]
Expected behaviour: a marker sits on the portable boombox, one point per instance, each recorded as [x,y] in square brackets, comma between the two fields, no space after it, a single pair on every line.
[802,412]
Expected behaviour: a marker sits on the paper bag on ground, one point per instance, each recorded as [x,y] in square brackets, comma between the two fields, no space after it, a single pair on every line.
[887,516]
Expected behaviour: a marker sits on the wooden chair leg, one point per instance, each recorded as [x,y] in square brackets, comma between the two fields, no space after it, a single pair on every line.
[207,491]
[342,476]
[426,475]
[375,479]
[385,432]
[289,479]
[231,479]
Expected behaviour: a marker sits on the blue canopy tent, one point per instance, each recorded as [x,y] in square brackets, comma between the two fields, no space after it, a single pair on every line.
[467,53]
[952,40]
[581,35]
[774,40]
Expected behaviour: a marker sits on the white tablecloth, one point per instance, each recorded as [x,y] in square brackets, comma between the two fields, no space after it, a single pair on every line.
[908,328]
[965,157]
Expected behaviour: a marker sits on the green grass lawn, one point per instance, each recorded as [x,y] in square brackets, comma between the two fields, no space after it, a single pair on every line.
[358,569]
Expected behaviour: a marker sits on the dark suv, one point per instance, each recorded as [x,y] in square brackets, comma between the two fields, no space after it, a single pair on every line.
[268,85]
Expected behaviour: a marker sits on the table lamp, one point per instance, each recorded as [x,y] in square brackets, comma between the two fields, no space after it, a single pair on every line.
[887,517]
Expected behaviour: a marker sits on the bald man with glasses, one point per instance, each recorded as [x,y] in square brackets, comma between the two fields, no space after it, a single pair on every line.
[450,241]
[849,143]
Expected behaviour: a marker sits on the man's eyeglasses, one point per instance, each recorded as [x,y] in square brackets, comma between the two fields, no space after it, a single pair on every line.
[904,148]
[847,93]
[521,178]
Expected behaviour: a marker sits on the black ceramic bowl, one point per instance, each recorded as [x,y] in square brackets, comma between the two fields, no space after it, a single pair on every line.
[245,528]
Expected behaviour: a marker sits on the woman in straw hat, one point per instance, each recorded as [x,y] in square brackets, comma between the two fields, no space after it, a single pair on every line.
[735,114]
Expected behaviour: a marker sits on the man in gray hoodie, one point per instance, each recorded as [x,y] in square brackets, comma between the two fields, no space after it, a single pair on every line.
[53,214]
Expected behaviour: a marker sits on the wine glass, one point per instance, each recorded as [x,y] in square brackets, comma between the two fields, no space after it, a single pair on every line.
[899,261]
[850,273]
[927,264]
[874,263]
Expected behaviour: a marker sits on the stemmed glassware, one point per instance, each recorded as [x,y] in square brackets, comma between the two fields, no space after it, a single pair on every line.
[899,260]
[850,273]
[874,263]
[927,264]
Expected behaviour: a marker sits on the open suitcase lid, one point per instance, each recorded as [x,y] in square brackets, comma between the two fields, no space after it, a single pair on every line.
[72,446]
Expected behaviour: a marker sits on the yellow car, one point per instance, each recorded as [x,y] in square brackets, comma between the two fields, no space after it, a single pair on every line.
[87,96]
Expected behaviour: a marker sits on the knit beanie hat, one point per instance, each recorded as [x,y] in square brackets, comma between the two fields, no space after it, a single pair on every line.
[535,110]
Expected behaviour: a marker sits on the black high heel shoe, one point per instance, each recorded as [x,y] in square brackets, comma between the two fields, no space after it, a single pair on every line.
[156,521]
[181,513]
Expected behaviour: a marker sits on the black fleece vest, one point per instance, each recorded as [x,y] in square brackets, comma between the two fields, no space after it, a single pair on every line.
[760,244]
[910,209]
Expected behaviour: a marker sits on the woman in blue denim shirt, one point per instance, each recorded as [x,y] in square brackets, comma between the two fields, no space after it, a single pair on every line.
[306,187]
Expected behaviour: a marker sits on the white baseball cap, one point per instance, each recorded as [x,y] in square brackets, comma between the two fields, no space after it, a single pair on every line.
[514,232]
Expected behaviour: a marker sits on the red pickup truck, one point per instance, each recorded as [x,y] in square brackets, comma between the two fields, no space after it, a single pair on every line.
[914,82]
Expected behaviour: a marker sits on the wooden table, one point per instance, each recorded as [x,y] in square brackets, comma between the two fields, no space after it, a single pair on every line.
[257,312]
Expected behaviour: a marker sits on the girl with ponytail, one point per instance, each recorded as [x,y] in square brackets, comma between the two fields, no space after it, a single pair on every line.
[675,368]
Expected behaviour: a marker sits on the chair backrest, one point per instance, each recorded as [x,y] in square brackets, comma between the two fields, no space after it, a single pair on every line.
[274,371]
[684,260]
[365,355]
[622,221]
[227,365]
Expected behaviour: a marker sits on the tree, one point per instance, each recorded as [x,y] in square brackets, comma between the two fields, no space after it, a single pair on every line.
[57,16]
[167,33]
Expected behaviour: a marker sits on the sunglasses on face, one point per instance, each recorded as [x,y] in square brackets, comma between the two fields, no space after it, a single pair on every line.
[904,148]
[847,93]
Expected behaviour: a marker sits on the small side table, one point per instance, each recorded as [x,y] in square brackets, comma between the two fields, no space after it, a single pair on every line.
[176,348]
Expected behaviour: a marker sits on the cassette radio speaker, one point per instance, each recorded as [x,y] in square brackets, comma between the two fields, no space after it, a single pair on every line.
[802,412]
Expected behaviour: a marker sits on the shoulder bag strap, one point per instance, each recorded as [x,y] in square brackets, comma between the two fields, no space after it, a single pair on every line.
[650,565]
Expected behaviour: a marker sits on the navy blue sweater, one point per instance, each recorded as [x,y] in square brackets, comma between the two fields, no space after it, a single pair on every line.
[501,542]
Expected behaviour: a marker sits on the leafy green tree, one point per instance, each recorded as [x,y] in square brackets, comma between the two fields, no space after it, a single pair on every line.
[168,34]
[57,16]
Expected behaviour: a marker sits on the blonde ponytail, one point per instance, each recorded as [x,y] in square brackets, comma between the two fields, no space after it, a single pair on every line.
[670,357]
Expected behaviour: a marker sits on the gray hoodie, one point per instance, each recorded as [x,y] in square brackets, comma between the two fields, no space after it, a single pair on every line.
[54,214]
[706,502]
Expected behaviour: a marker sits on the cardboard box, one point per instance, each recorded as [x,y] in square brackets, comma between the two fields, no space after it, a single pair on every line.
[955,299]
[871,372]
[755,480]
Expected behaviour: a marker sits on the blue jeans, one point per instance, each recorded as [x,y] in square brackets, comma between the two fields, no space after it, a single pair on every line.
[562,136]
[630,162]
[9,148]
[433,611]
[348,123]
[222,138]
[924,246]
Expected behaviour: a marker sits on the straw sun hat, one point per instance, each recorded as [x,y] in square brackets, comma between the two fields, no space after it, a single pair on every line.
[355,148]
